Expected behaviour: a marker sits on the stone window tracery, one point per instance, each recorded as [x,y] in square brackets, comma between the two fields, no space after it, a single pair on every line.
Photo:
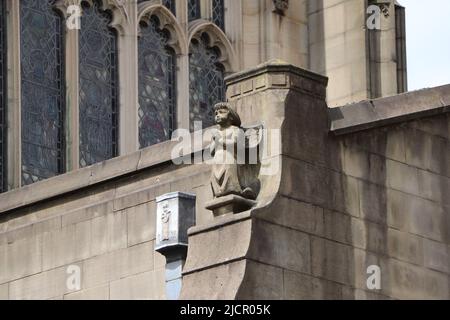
[157,87]
[42,91]
[98,108]
[206,81]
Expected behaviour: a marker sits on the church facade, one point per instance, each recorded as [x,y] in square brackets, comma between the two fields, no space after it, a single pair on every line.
[355,204]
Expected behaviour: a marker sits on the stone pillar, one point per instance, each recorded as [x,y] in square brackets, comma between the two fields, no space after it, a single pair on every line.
[175,214]
[243,255]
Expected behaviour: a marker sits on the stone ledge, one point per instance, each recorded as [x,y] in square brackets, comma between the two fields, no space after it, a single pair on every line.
[231,204]
[86,177]
[275,74]
[371,114]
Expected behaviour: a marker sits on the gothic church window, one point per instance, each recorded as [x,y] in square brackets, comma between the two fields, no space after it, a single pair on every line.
[42,90]
[218,13]
[170,4]
[206,81]
[98,86]
[157,90]
[193,10]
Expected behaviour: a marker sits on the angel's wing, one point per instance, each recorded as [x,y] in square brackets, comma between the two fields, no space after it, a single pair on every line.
[253,135]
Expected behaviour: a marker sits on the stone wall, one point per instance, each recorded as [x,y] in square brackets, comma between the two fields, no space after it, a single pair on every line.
[101,219]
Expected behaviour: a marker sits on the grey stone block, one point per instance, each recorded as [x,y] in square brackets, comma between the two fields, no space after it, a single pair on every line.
[296,215]
[261,282]
[436,256]
[219,283]
[405,246]
[282,247]
[98,271]
[42,286]
[141,223]
[332,261]
[4,291]
[144,286]
[299,286]
[23,258]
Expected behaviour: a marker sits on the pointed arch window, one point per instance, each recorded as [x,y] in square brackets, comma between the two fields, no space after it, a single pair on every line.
[206,81]
[2,96]
[193,10]
[42,91]
[170,4]
[218,13]
[98,86]
[157,88]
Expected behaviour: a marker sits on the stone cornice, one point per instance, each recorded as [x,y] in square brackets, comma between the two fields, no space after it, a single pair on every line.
[376,113]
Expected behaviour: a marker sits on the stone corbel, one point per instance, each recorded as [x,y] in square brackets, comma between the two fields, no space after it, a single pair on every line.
[225,255]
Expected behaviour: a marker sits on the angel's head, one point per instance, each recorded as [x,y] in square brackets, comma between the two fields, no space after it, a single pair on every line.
[225,116]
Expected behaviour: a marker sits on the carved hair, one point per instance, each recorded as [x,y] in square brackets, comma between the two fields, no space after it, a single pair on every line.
[234,117]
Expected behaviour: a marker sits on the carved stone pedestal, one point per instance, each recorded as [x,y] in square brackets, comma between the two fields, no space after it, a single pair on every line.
[231,204]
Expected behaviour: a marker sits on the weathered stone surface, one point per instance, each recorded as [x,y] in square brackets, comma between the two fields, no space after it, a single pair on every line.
[4,291]
[145,286]
[218,246]
[365,166]
[296,215]
[411,282]
[109,233]
[87,213]
[387,142]
[220,283]
[261,282]
[402,177]
[281,247]
[436,256]
[141,223]
[45,285]
[332,261]
[102,269]
[337,205]
[405,246]
[412,214]
[299,286]
[373,201]
[21,258]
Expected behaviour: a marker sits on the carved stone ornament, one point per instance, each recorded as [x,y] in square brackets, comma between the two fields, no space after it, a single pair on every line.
[281,6]
[234,183]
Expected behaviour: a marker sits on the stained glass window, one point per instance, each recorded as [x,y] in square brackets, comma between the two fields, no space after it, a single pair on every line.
[171,5]
[206,81]
[168,3]
[2,97]
[218,13]
[42,89]
[98,86]
[193,10]
[156,85]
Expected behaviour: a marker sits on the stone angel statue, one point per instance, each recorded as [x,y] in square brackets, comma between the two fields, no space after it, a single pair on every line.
[234,167]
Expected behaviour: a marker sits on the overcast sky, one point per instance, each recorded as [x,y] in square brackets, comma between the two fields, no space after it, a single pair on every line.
[428,42]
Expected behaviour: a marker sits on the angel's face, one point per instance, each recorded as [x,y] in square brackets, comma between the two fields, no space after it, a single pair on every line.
[222,116]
